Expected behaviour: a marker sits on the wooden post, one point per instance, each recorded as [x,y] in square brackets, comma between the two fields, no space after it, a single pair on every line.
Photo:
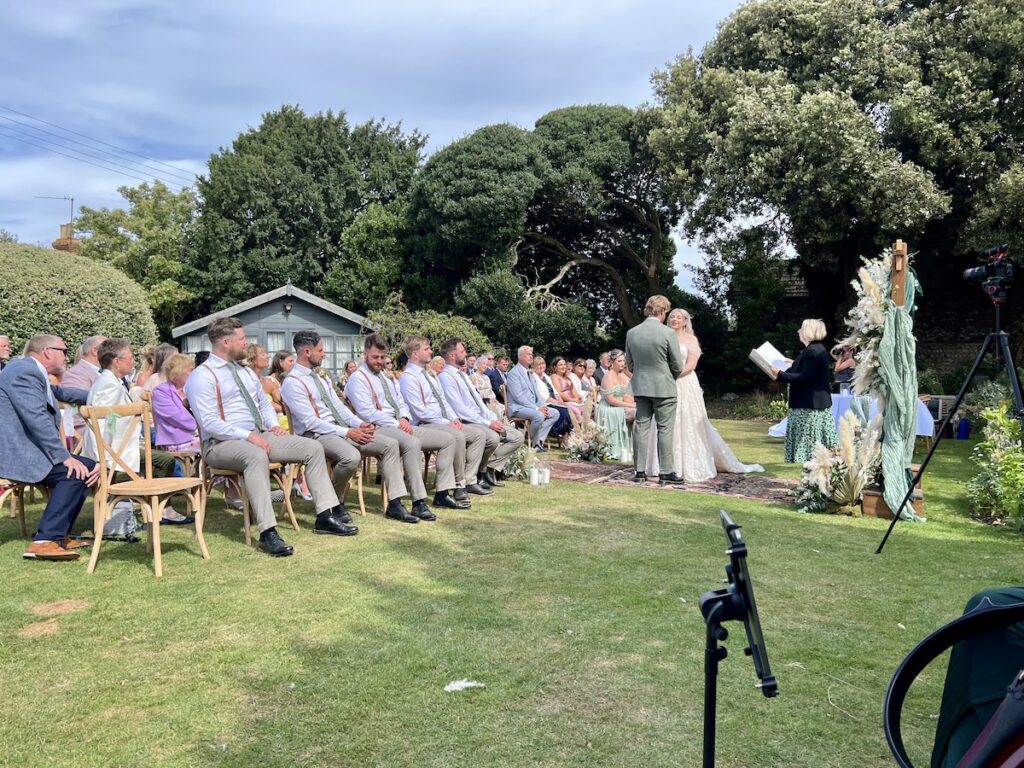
[899,273]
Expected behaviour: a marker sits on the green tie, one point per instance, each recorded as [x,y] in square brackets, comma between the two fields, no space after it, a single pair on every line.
[437,395]
[253,410]
[474,393]
[388,396]
[323,393]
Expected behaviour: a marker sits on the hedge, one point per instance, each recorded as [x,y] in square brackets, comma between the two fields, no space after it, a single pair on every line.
[48,291]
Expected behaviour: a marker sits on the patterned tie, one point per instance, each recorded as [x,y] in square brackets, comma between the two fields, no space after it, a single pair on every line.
[257,418]
[388,396]
[330,403]
[437,395]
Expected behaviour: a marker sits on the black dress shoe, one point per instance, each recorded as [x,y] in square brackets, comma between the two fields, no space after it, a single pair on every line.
[395,511]
[340,513]
[460,494]
[272,543]
[672,479]
[477,490]
[639,477]
[333,525]
[443,499]
[482,482]
[422,511]
[492,479]
[540,448]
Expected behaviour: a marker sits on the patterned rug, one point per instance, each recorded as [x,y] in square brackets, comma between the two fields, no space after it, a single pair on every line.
[752,486]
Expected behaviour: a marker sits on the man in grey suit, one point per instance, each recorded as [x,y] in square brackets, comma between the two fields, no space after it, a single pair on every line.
[525,402]
[31,448]
[652,354]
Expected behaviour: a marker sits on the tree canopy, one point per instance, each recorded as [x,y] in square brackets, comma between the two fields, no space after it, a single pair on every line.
[844,125]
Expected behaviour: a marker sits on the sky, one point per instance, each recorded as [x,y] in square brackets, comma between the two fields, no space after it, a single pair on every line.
[175,82]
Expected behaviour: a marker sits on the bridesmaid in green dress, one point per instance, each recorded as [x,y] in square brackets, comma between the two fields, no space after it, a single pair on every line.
[616,409]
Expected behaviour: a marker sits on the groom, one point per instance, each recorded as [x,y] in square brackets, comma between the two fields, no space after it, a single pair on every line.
[652,354]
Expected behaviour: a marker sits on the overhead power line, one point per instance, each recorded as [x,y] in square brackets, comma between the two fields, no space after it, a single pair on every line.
[97,141]
[5,130]
[90,151]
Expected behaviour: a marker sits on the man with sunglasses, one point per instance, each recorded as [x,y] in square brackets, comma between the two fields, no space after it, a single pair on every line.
[32,449]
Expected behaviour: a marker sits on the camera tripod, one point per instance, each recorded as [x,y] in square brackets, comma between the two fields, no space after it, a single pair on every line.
[1000,341]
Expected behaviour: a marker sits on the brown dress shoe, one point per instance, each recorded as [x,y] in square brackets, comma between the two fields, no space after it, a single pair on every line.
[48,550]
[69,543]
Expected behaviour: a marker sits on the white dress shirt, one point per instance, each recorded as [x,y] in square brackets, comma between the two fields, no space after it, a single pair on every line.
[365,390]
[306,406]
[463,396]
[426,406]
[237,422]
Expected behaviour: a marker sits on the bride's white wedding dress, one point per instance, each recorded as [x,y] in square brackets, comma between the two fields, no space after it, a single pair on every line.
[699,452]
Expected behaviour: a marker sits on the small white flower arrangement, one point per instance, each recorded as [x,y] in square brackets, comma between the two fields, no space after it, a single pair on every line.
[834,479]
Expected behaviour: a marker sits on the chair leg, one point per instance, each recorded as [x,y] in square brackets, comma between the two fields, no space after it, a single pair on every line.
[20,500]
[155,507]
[246,522]
[359,494]
[285,479]
[99,517]
[198,500]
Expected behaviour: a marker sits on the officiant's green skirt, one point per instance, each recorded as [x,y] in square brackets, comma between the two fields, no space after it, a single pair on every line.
[805,428]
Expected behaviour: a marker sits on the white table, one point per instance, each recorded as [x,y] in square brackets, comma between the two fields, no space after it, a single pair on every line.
[842,403]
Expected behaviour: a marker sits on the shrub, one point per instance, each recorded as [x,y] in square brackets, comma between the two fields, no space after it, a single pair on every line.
[929,383]
[998,489]
[48,291]
[394,321]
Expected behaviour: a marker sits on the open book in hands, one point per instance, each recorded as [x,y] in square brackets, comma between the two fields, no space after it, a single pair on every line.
[767,357]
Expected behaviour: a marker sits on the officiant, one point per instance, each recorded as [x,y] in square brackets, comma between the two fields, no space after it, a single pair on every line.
[810,402]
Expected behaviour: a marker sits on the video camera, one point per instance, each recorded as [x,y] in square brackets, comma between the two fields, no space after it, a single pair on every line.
[995,275]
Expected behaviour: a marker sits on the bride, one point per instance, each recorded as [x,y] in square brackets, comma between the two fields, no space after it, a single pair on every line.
[698,450]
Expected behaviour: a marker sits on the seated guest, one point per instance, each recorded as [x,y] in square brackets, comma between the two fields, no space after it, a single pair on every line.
[377,400]
[145,365]
[845,366]
[319,414]
[431,410]
[116,360]
[5,351]
[546,389]
[501,440]
[342,380]
[85,371]
[483,384]
[565,389]
[587,381]
[240,432]
[605,359]
[31,447]
[435,365]
[576,374]
[161,355]
[498,374]
[524,401]
[176,428]
[616,409]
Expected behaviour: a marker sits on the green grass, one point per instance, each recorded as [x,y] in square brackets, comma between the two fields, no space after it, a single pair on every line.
[567,602]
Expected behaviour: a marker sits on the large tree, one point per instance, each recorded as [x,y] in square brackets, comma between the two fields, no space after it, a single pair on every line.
[845,124]
[576,207]
[149,241]
[276,205]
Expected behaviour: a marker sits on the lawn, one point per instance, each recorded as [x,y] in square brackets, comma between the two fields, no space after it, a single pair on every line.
[574,605]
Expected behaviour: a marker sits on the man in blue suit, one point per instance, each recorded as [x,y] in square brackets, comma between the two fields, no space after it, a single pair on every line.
[524,401]
[498,374]
[31,448]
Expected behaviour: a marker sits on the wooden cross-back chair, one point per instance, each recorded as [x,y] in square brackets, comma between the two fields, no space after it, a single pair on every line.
[151,493]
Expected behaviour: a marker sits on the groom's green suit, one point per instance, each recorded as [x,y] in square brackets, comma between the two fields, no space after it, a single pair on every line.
[652,354]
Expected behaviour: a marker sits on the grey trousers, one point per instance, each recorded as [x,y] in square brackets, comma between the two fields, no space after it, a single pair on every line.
[663,409]
[345,456]
[411,448]
[499,446]
[468,448]
[540,425]
[252,461]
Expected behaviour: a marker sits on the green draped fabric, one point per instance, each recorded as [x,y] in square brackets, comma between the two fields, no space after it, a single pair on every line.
[897,369]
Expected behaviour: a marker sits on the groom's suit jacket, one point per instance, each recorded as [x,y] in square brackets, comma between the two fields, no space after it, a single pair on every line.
[652,354]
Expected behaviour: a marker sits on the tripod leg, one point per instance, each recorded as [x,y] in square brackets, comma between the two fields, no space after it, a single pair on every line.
[1011,372]
[992,337]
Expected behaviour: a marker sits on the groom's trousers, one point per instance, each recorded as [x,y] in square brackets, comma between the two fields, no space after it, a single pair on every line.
[663,410]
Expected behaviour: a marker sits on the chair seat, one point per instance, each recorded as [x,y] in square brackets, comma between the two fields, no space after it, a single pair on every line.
[155,487]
